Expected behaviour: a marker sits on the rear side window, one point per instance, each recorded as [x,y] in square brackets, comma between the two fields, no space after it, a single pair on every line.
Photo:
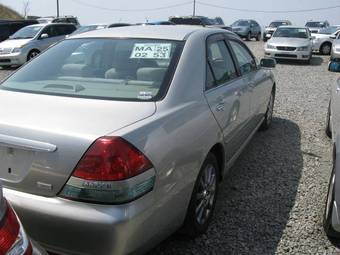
[65,30]
[220,63]
[245,59]
[118,69]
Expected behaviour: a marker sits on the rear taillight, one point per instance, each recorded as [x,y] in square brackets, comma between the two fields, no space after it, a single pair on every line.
[111,171]
[13,239]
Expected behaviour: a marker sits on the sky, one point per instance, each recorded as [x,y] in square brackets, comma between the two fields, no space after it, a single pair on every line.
[133,11]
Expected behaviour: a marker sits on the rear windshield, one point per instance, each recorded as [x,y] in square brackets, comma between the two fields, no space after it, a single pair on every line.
[291,32]
[118,69]
[315,24]
[278,24]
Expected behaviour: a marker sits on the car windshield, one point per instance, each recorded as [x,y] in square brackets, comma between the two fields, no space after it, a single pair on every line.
[278,24]
[329,30]
[291,32]
[240,23]
[315,24]
[26,32]
[116,69]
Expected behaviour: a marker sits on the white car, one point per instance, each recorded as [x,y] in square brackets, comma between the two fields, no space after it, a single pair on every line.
[30,41]
[324,39]
[289,42]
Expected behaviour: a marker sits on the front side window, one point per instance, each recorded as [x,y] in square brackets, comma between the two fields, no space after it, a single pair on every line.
[245,59]
[220,63]
[117,69]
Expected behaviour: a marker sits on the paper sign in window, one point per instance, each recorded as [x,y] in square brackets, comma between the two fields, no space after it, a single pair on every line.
[151,50]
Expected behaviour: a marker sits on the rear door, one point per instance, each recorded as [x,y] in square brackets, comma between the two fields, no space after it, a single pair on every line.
[227,94]
[255,77]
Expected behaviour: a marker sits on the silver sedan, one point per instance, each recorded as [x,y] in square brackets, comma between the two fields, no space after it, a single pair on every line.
[125,136]
[290,42]
[335,55]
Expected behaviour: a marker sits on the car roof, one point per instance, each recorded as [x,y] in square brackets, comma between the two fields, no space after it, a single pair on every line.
[50,24]
[293,27]
[166,32]
[280,20]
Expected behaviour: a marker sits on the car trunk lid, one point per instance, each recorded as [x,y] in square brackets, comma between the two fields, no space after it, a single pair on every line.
[42,137]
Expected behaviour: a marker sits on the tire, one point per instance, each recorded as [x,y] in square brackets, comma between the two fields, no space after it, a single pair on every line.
[258,38]
[249,36]
[32,54]
[328,129]
[327,218]
[268,118]
[326,48]
[203,200]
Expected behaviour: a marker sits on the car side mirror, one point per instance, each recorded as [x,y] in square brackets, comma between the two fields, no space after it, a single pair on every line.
[44,36]
[268,63]
[334,67]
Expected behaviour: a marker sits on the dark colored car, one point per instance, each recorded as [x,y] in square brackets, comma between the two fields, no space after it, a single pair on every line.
[9,27]
[64,19]
[200,21]
[192,20]
[247,29]
[159,23]
[119,25]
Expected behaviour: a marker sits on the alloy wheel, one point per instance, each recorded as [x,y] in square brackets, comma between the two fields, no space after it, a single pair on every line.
[205,196]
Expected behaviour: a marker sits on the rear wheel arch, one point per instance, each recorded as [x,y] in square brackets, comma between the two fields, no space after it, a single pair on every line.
[323,44]
[274,88]
[218,151]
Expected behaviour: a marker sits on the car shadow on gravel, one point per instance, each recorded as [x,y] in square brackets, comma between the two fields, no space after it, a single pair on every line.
[315,61]
[254,200]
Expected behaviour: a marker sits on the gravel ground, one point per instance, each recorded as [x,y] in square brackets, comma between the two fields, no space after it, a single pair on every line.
[272,202]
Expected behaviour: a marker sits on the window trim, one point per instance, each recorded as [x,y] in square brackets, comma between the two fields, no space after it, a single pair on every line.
[211,39]
[236,60]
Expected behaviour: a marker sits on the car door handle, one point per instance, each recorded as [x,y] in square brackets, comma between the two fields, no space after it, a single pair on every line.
[220,107]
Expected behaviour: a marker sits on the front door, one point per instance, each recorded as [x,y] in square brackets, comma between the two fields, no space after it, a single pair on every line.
[227,94]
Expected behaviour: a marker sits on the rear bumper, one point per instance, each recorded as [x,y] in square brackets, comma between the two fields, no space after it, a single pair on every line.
[12,59]
[298,55]
[68,227]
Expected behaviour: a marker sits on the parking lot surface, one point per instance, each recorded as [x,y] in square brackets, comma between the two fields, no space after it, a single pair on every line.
[272,201]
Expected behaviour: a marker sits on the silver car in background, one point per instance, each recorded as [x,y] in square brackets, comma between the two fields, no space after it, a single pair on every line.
[323,41]
[316,26]
[126,134]
[331,220]
[30,41]
[269,30]
[289,42]
[335,54]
